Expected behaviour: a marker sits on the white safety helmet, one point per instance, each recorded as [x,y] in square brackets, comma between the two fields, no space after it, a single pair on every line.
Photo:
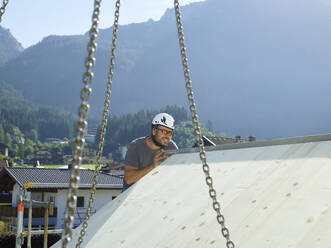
[165,120]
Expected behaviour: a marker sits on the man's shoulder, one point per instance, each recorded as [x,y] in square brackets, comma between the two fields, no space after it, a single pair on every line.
[172,145]
[137,142]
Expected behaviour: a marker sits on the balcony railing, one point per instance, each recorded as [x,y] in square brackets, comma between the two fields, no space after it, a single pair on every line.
[37,212]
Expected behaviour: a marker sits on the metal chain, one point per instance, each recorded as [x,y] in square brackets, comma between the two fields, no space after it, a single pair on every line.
[81,126]
[3,8]
[209,180]
[104,125]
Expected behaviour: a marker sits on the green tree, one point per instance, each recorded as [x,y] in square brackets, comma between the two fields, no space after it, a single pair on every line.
[16,150]
[18,135]
[2,135]
[67,148]
[209,125]
[8,141]
[10,160]
[28,150]
[28,147]
[179,113]
[33,135]
[185,136]
[21,151]
[55,149]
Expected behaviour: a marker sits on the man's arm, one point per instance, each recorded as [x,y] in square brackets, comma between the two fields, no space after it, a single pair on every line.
[133,174]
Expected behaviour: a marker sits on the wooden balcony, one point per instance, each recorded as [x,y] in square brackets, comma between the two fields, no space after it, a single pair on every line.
[37,212]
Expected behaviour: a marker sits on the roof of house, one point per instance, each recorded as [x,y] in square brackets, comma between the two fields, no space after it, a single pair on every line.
[221,140]
[60,178]
[272,194]
[214,141]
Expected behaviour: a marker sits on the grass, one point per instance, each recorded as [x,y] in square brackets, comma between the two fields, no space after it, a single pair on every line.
[4,227]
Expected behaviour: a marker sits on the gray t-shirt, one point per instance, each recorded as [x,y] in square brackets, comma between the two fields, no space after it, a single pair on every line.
[139,155]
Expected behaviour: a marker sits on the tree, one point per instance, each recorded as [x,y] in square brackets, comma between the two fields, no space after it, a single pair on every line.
[185,136]
[33,135]
[9,160]
[2,135]
[209,125]
[18,135]
[8,141]
[55,150]
[16,150]
[21,151]
[28,150]
[67,148]
[28,147]
[179,113]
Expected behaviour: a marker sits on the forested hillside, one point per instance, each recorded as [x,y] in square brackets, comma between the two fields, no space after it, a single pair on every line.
[258,68]
[23,124]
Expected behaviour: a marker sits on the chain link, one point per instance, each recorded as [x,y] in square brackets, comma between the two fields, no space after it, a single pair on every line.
[3,8]
[81,127]
[104,125]
[82,124]
[209,181]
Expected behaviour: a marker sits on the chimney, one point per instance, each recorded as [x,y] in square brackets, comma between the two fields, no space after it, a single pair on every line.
[251,138]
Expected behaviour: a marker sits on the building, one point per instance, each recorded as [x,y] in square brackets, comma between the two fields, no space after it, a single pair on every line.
[56,141]
[4,150]
[52,185]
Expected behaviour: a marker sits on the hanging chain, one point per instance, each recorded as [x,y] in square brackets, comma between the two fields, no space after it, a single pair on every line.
[3,8]
[104,125]
[209,180]
[81,126]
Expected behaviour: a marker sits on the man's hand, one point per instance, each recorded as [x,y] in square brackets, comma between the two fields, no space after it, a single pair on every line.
[158,158]
[132,174]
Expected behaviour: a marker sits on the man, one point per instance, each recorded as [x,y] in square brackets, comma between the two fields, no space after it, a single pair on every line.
[145,153]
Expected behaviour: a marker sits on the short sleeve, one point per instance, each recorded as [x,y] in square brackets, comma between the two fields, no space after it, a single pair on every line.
[131,157]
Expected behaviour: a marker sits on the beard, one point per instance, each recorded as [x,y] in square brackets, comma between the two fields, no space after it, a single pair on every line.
[158,143]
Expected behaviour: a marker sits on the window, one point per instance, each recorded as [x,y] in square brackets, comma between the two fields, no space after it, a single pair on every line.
[80,201]
[51,199]
[36,196]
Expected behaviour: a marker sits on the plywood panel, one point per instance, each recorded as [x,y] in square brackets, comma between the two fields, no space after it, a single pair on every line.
[273,196]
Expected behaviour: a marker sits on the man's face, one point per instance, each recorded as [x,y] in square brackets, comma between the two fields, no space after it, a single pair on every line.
[162,135]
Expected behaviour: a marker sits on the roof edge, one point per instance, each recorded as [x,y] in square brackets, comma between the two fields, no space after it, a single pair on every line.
[88,186]
[285,141]
[13,177]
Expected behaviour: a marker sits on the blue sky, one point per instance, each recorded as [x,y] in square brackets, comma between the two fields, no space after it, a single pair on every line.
[30,21]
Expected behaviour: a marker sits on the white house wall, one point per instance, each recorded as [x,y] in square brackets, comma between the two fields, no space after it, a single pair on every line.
[272,197]
[16,192]
[102,197]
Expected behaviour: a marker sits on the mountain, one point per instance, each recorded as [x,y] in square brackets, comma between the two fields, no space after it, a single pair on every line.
[47,121]
[9,46]
[258,68]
